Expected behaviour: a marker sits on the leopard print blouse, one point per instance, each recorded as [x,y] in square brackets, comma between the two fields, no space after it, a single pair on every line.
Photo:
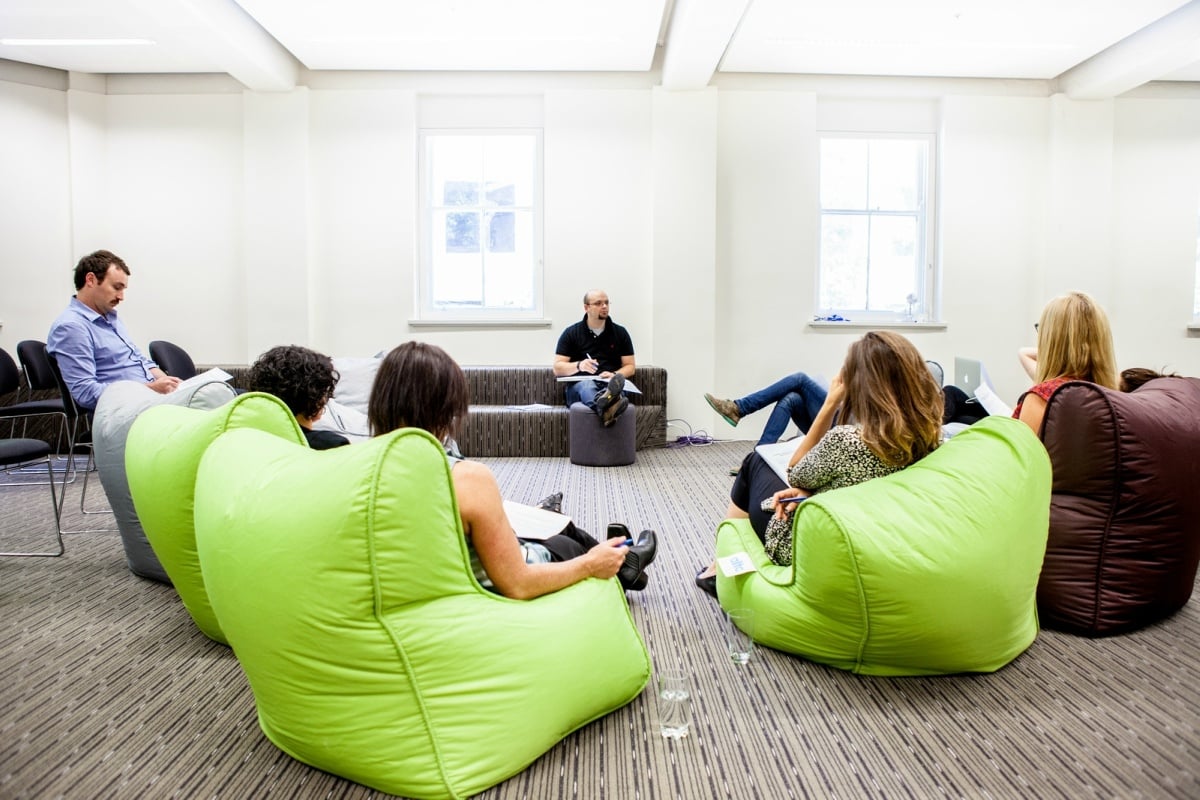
[841,458]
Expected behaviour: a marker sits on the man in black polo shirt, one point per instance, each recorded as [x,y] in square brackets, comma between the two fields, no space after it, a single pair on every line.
[596,346]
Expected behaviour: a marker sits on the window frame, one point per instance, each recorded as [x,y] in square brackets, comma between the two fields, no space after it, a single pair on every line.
[426,310]
[927,309]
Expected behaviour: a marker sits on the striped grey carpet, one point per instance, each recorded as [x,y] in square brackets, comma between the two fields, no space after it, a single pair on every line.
[107,689]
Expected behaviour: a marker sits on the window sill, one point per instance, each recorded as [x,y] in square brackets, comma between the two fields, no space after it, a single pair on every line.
[480,323]
[1194,329]
[878,325]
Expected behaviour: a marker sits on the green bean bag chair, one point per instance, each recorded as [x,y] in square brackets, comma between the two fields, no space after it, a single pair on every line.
[931,570]
[342,581]
[162,455]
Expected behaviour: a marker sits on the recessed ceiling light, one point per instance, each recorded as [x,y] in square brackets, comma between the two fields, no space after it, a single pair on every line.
[74,42]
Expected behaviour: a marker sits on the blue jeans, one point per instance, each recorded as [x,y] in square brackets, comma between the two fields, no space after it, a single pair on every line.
[585,392]
[797,398]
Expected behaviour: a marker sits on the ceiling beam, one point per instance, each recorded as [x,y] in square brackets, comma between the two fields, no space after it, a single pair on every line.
[246,51]
[699,33]
[1156,50]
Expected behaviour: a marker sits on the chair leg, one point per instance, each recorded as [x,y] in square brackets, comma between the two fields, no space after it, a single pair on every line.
[91,467]
[63,500]
[58,532]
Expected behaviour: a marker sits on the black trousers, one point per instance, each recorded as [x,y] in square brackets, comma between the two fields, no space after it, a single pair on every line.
[755,482]
[571,543]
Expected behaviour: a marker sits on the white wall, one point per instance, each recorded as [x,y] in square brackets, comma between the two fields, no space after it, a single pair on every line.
[1156,171]
[250,220]
[35,211]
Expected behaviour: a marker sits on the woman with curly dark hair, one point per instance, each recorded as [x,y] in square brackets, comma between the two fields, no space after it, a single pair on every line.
[303,379]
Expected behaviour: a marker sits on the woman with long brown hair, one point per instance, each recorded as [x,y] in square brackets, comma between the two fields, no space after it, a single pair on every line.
[890,412]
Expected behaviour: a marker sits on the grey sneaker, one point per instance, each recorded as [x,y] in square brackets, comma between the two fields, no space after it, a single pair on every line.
[552,502]
[616,385]
[614,410]
[726,408]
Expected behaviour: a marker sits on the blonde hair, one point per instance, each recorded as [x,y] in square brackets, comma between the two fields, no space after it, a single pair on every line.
[892,395]
[1075,341]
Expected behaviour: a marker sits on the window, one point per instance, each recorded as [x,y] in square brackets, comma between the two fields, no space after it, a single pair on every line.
[481,249]
[876,238]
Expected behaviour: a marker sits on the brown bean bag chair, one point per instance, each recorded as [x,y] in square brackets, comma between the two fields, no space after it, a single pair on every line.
[1125,511]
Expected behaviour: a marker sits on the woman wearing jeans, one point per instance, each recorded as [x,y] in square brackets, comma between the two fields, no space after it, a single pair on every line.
[797,398]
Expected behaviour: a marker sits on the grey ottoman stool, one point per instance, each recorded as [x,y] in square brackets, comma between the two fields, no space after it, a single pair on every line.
[593,445]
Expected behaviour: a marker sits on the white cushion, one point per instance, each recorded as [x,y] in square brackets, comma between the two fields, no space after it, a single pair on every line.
[340,418]
[356,377]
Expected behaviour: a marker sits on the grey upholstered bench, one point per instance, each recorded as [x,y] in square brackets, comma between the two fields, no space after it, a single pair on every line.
[497,426]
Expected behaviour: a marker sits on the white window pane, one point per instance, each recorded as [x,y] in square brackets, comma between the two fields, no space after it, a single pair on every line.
[456,170]
[844,174]
[508,281]
[894,270]
[510,166]
[896,167]
[843,261]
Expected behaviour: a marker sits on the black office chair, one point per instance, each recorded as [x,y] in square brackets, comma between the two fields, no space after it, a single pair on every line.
[10,383]
[172,359]
[79,426]
[23,452]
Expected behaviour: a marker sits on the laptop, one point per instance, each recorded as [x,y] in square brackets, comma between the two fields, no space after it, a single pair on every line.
[971,376]
[968,374]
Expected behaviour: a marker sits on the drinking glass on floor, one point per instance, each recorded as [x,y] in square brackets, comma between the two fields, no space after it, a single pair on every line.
[739,634]
[674,704]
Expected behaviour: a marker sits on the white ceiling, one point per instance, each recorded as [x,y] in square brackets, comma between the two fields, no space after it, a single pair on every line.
[1094,48]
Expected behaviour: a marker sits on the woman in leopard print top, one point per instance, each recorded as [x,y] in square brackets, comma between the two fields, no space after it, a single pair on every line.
[892,410]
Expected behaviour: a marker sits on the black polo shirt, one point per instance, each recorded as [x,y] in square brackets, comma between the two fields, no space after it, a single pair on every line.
[613,343]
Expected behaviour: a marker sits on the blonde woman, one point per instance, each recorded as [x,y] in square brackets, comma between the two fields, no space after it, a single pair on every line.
[891,416]
[1074,344]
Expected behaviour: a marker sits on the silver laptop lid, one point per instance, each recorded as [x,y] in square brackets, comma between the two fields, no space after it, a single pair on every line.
[968,374]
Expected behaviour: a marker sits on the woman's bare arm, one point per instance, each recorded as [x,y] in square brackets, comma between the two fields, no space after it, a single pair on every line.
[492,535]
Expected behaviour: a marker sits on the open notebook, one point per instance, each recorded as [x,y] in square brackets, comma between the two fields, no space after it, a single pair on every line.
[778,454]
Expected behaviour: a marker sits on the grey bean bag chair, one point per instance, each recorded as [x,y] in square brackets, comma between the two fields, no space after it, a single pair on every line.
[118,407]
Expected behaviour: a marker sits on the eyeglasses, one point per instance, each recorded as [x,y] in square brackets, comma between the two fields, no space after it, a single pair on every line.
[599,303]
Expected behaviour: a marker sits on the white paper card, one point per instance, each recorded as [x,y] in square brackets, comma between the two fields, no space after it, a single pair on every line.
[736,564]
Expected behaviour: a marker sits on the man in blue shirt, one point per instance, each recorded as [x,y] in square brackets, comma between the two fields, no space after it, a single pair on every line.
[91,345]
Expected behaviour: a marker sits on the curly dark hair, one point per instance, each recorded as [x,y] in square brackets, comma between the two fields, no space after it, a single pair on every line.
[97,263]
[303,379]
[418,386]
